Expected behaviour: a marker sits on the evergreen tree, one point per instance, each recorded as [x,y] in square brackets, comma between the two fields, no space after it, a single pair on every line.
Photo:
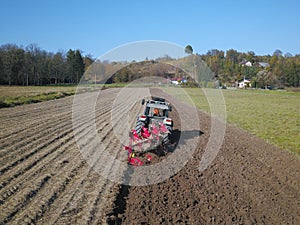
[79,66]
[70,66]
[188,49]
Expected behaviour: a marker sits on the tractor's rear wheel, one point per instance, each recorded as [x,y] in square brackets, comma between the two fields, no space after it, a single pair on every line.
[167,137]
[139,125]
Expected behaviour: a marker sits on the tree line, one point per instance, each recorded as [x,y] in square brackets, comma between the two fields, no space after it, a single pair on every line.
[280,70]
[34,66]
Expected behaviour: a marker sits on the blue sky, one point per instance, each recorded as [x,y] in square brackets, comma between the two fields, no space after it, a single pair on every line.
[96,27]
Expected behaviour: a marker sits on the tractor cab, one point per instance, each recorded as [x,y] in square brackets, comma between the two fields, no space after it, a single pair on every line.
[157,109]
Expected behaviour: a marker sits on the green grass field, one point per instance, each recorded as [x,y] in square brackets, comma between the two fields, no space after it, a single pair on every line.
[19,95]
[271,115]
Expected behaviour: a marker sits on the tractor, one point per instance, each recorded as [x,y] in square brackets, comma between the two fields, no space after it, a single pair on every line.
[153,130]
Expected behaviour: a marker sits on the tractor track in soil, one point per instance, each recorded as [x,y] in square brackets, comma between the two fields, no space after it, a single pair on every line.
[44,178]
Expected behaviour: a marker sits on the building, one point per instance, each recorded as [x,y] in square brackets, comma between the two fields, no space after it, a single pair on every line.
[247,63]
[178,81]
[263,64]
[244,83]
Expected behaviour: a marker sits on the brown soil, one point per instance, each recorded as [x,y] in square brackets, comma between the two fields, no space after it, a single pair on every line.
[45,180]
[249,182]
[43,176]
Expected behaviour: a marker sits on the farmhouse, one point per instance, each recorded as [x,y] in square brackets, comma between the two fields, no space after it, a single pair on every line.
[247,63]
[178,81]
[244,83]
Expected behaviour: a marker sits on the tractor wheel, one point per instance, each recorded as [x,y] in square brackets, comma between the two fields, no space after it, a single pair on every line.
[139,125]
[167,137]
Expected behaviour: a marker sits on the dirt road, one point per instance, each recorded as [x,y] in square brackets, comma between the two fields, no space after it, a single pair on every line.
[45,178]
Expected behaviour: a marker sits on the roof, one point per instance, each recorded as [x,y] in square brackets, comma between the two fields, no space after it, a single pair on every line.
[159,106]
[244,81]
[263,64]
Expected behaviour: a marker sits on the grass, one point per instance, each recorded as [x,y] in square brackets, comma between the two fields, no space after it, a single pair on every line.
[14,101]
[11,96]
[18,91]
[18,95]
[271,115]
[116,85]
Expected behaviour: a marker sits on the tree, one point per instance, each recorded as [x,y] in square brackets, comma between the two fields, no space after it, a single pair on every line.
[232,55]
[215,52]
[266,78]
[249,71]
[12,61]
[88,60]
[250,56]
[75,66]
[188,49]
[57,68]
[43,69]
[288,55]
[70,66]
[32,58]
[78,66]
[277,53]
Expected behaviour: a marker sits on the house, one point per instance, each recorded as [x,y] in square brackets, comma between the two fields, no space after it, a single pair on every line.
[175,82]
[244,83]
[247,63]
[178,81]
[263,64]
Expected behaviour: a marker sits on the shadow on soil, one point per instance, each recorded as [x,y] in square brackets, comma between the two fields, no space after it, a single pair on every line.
[174,141]
[184,135]
[114,217]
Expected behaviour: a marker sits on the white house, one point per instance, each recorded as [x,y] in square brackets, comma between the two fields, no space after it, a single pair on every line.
[247,63]
[245,83]
[178,81]
[175,82]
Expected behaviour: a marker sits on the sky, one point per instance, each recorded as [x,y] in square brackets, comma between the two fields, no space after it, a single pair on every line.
[96,27]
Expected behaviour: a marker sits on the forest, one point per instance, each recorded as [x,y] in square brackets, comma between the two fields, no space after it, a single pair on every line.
[34,66]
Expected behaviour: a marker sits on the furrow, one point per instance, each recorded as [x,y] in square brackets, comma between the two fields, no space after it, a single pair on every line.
[61,144]
[35,209]
[36,142]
